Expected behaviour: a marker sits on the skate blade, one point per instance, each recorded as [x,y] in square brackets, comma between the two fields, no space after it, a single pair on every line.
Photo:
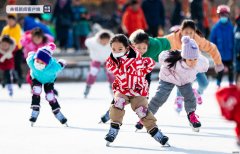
[66,125]
[100,122]
[196,129]
[32,124]
[108,144]
[166,145]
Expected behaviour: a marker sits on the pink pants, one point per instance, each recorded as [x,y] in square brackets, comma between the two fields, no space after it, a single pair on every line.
[94,69]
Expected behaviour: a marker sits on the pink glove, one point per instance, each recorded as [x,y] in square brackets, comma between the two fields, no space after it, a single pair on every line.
[219,68]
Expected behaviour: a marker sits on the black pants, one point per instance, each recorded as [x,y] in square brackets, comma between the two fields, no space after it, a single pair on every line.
[48,87]
[7,77]
[229,65]
[18,58]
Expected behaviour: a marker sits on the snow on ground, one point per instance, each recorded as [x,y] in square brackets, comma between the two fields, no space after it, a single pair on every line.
[85,136]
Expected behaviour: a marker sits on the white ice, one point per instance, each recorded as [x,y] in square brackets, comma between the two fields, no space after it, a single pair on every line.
[85,136]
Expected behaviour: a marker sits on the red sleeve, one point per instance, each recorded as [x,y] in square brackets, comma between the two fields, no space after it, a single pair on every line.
[125,20]
[149,64]
[112,67]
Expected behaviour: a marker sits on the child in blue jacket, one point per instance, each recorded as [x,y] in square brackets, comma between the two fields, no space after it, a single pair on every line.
[43,70]
[222,35]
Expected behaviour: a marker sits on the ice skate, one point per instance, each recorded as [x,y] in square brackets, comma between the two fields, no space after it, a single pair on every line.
[198,97]
[34,117]
[61,118]
[162,139]
[86,92]
[105,118]
[194,122]
[179,104]
[112,134]
[10,90]
[138,126]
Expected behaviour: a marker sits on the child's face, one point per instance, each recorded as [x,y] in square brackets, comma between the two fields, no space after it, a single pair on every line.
[188,32]
[142,47]
[104,41]
[118,49]
[191,62]
[37,39]
[5,46]
[11,22]
[40,65]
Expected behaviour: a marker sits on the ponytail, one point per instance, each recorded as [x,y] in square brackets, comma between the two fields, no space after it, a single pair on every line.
[173,58]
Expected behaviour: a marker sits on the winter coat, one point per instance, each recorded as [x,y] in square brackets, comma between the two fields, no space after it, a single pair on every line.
[14,32]
[7,58]
[222,35]
[181,73]
[204,45]
[130,71]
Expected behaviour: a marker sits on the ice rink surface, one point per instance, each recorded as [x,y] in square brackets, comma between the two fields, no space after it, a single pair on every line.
[85,136]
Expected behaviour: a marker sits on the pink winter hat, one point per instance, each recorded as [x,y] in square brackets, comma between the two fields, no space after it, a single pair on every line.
[190,48]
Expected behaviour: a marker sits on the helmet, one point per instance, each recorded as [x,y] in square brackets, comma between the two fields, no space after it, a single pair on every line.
[223,9]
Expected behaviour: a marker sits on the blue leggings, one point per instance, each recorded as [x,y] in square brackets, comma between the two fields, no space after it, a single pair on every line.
[202,83]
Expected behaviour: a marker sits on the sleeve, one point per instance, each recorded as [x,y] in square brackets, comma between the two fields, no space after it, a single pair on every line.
[88,42]
[163,43]
[112,67]
[149,64]
[4,31]
[17,38]
[58,67]
[202,64]
[125,20]
[162,57]
[210,48]
[30,59]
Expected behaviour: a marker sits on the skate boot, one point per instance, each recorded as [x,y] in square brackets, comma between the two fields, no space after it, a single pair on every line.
[179,104]
[55,92]
[61,118]
[10,89]
[159,137]
[86,92]
[194,122]
[112,133]
[197,96]
[139,126]
[34,116]
[105,118]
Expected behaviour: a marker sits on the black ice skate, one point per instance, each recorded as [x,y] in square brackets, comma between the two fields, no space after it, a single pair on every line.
[105,118]
[34,117]
[61,118]
[86,92]
[159,137]
[112,134]
[138,126]
[194,122]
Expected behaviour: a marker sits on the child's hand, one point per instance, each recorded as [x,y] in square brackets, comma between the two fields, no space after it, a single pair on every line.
[219,68]
[62,62]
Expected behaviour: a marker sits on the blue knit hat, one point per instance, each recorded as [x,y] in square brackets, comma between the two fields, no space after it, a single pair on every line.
[190,48]
[45,53]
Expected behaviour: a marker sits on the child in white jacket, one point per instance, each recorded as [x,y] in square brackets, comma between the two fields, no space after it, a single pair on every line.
[180,69]
[99,50]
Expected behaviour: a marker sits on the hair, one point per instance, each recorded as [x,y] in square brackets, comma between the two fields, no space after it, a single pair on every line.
[105,35]
[173,58]
[39,33]
[139,36]
[187,23]
[7,39]
[12,16]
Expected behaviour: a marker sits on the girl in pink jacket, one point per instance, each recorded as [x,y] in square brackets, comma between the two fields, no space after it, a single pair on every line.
[31,41]
[180,69]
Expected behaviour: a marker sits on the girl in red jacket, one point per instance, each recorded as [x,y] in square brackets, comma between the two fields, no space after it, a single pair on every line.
[229,102]
[130,87]
[7,48]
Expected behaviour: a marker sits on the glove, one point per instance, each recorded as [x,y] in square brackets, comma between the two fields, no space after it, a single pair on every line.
[62,62]
[219,68]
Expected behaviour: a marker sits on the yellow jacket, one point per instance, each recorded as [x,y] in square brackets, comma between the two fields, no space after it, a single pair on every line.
[13,32]
[204,45]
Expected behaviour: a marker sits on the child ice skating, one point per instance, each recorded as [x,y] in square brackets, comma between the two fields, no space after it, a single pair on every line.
[99,50]
[43,70]
[148,47]
[180,69]
[130,87]
[7,50]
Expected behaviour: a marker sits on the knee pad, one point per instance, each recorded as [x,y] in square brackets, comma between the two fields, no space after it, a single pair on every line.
[50,97]
[93,71]
[119,103]
[37,90]
[141,111]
